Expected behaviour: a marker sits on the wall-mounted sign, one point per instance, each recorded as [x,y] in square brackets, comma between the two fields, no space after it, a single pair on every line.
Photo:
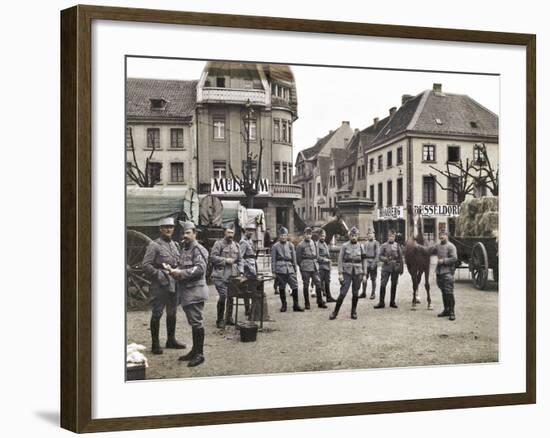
[231,186]
[390,213]
[437,210]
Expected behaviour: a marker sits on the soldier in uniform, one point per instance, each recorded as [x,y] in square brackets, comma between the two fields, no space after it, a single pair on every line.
[371,247]
[324,266]
[227,263]
[163,287]
[248,254]
[192,289]
[284,268]
[391,256]
[446,264]
[352,268]
[307,257]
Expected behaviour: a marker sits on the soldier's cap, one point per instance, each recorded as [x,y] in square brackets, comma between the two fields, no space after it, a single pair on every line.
[228,226]
[187,225]
[308,230]
[353,230]
[321,231]
[283,230]
[167,222]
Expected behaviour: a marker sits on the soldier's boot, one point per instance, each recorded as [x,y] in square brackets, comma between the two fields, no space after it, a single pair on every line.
[306,299]
[373,293]
[354,301]
[330,298]
[193,351]
[171,341]
[381,300]
[445,307]
[221,309]
[392,298]
[364,292]
[282,296]
[339,302]
[320,302]
[198,358]
[295,306]
[451,299]
[155,328]
[229,312]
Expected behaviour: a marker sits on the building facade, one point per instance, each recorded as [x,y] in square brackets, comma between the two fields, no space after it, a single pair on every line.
[160,125]
[252,106]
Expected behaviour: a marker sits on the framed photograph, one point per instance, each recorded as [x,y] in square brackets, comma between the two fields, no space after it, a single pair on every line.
[269,219]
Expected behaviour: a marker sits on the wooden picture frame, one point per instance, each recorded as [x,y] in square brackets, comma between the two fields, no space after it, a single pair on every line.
[76,217]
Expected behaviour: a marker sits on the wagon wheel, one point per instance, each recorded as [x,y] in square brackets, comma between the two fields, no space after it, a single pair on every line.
[136,244]
[479,265]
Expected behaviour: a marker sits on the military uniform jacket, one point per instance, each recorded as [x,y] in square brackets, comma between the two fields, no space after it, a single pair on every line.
[190,274]
[446,253]
[391,256]
[351,259]
[371,248]
[160,251]
[249,257]
[307,256]
[324,256]
[283,258]
[221,251]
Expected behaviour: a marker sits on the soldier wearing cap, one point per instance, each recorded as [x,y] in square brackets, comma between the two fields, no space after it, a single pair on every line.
[371,247]
[248,254]
[284,268]
[162,291]
[444,272]
[352,268]
[227,263]
[307,257]
[324,265]
[391,256]
[192,289]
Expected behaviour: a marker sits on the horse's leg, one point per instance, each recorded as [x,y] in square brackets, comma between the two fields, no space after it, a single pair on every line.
[427,286]
[415,289]
[418,279]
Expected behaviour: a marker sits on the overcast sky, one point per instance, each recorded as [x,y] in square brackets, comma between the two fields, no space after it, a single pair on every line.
[329,95]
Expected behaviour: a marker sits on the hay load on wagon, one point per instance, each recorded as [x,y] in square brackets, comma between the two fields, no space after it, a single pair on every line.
[478,217]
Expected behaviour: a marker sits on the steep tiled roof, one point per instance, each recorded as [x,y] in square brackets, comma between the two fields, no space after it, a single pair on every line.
[180,97]
[316,148]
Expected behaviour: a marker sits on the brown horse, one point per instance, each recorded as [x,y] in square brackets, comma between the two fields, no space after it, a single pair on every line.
[418,264]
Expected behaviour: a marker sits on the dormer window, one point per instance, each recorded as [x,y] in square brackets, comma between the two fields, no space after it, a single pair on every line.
[438,122]
[220,82]
[158,103]
[474,125]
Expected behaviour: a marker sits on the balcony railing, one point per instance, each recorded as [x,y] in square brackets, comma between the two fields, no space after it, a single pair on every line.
[290,190]
[233,95]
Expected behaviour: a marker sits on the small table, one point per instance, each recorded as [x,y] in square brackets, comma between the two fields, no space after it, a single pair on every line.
[242,287]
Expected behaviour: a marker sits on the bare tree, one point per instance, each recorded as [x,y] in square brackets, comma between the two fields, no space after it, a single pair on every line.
[143,178]
[487,174]
[461,183]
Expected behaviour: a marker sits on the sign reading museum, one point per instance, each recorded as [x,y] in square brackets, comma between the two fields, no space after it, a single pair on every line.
[232,186]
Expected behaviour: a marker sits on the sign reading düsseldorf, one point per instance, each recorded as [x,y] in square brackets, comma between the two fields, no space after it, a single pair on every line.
[437,210]
[390,213]
[231,186]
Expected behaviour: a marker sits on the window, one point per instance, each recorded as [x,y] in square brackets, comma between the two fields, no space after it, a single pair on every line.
[247,83]
[252,130]
[371,192]
[428,152]
[285,179]
[428,190]
[278,176]
[474,125]
[400,191]
[129,139]
[389,159]
[284,137]
[371,165]
[153,138]
[389,193]
[303,190]
[358,194]
[452,195]
[364,194]
[399,155]
[453,154]
[176,138]
[380,165]
[310,190]
[154,172]
[438,121]
[176,172]
[289,173]
[479,159]
[429,229]
[380,195]
[289,132]
[158,104]
[276,130]
[219,168]
[318,189]
[310,212]
[253,167]
[358,172]
[220,82]
[219,128]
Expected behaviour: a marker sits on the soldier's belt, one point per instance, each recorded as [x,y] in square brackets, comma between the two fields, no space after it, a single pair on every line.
[283,259]
[354,260]
[249,257]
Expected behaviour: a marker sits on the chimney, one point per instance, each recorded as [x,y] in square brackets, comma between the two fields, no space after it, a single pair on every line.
[356,130]
[345,122]
[437,88]
[392,110]
[375,122]
[405,98]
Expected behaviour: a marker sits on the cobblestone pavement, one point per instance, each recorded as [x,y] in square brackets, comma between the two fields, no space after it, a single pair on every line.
[308,341]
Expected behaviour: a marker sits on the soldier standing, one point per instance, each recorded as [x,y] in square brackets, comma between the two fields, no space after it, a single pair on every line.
[227,263]
[307,256]
[352,268]
[371,247]
[391,256]
[163,287]
[248,254]
[284,268]
[192,289]
[324,265]
[446,264]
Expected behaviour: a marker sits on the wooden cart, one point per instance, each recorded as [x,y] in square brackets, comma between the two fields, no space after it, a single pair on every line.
[479,254]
